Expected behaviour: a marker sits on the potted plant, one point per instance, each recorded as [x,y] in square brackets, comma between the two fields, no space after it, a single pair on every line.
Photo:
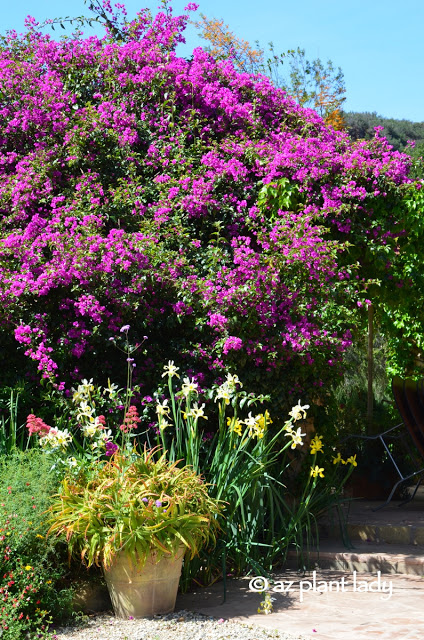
[137,517]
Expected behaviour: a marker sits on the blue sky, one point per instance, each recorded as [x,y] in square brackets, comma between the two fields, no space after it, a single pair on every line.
[379,44]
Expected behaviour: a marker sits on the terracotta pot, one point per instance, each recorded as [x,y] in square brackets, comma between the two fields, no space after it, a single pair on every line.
[143,590]
[90,597]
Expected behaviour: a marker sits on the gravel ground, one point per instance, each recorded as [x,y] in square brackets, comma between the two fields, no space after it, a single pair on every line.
[182,625]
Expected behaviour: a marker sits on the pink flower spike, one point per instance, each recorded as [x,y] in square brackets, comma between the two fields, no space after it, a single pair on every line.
[37,426]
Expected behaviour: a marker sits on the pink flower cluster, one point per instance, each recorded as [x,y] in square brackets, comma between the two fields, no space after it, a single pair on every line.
[131,420]
[37,426]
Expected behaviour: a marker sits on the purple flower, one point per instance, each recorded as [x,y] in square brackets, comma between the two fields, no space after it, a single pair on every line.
[111,448]
[125,328]
[217,320]
[144,499]
[232,342]
[158,503]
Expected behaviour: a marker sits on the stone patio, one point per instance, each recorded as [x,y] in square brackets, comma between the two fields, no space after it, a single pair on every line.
[374,590]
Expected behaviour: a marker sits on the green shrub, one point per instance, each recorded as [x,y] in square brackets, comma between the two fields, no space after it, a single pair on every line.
[32,568]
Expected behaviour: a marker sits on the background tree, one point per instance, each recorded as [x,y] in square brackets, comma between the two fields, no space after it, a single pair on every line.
[312,83]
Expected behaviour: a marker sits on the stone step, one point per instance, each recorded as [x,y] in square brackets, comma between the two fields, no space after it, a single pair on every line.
[404,534]
[392,525]
[365,558]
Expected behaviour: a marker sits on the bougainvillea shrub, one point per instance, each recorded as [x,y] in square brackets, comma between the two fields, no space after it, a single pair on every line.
[178,197]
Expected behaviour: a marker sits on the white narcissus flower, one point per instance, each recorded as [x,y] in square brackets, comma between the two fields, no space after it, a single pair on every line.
[63,437]
[298,412]
[232,380]
[83,391]
[189,386]
[256,425]
[223,393]
[56,438]
[111,389]
[170,370]
[250,421]
[197,412]
[105,436]
[296,437]
[90,430]
[48,440]
[85,410]
[162,409]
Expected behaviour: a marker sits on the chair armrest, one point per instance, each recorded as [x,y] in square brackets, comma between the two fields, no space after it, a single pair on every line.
[379,435]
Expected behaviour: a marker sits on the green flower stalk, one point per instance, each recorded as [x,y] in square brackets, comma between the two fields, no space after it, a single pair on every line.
[245,464]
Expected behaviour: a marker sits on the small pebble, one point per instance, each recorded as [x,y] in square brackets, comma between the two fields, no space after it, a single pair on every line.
[181,625]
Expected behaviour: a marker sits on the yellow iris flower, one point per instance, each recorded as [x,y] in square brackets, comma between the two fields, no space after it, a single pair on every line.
[316,445]
[317,471]
[338,459]
[352,460]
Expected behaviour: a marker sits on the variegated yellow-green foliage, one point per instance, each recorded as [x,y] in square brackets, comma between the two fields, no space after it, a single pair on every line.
[136,504]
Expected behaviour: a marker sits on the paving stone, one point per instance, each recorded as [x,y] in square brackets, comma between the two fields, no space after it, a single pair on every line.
[324,614]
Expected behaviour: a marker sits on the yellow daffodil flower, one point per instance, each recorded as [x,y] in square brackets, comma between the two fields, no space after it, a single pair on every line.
[263,419]
[235,425]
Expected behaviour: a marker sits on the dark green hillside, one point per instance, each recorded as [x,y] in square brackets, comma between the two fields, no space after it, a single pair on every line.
[397,132]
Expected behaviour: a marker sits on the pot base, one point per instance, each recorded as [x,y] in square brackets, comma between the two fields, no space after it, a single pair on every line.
[143,591]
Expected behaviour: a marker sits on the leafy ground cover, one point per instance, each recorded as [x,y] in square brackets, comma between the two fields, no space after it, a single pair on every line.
[32,568]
